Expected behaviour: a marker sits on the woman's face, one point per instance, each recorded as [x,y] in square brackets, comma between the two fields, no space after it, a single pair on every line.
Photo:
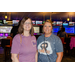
[47,28]
[27,25]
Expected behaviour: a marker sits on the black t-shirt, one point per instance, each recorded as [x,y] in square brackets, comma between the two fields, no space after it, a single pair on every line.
[58,32]
[62,34]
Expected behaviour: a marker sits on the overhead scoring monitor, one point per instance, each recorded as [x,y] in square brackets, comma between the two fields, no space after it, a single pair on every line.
[38,22]
[59,23]
[33,22]
[71,23]
[65,24]
[15,21]
[54,23]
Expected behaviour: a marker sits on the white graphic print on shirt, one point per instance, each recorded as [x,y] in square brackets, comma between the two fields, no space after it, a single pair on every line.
[42,46]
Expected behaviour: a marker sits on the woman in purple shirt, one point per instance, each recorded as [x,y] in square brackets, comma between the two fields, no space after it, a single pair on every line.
[24,43]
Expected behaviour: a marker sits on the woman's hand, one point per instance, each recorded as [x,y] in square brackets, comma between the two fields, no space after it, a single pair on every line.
[36,56]
[14,57]
[59,56]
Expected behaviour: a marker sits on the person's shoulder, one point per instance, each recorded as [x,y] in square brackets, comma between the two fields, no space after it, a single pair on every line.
[55,36]
[17,36]
[33,37]
[57,39]
[41,36]
[59,31]
[65,32]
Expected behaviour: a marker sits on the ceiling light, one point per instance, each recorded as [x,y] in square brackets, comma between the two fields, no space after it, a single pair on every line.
[68,19]
[5,17]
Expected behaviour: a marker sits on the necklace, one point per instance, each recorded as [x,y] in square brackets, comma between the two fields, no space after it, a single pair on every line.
[46,38]
[45,47]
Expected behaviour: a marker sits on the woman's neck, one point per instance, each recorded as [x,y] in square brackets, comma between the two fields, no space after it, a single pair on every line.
[48,35]
[26,33]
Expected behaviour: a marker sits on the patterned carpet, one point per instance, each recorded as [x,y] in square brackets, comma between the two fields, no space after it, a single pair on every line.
[68,59]
[1,57]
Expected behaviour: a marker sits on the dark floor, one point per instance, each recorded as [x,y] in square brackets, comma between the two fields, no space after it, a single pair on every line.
[66,58]
[2,56]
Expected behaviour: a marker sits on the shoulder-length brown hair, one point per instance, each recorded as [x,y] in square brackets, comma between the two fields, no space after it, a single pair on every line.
[21,29]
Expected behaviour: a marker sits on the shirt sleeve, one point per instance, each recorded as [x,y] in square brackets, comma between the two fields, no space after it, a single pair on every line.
[15,45]
[59,45]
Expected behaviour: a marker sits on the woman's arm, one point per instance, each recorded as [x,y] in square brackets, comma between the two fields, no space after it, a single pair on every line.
[36,56]
[66,35]
[14,58]
[59,56]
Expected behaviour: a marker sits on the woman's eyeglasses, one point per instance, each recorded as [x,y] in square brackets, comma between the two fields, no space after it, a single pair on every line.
[27,23]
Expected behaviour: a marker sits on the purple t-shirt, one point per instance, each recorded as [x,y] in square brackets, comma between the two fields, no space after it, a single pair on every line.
[26,49]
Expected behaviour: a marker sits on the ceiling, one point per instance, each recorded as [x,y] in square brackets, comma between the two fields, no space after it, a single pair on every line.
[60,16]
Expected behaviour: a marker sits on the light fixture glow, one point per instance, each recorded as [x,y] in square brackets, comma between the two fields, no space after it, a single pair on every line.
[5,17]
[68,19]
